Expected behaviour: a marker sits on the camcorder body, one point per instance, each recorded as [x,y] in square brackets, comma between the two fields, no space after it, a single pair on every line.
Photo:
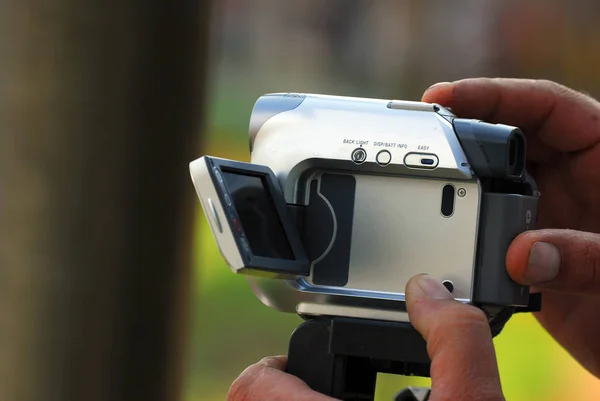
[345,199]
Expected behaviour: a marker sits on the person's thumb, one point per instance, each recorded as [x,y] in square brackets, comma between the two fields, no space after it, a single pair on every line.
[459,343]
[560,260]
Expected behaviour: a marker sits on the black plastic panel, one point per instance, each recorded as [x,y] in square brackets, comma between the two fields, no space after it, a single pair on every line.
[493,150]
[337,192]
[503,217]
[341,357]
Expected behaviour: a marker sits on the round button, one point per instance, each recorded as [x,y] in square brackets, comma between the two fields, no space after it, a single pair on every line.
[219,176]
[359,155]
[449,285]
[384,157]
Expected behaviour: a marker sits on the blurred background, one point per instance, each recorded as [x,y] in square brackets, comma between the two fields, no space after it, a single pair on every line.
[373,48]
[111,285]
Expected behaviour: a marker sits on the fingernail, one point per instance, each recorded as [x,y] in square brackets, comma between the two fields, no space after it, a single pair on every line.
[544,263]
[437,86]
[432,288]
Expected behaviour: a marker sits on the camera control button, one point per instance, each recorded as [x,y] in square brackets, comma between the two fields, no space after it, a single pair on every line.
[384,157]
[359,155]
[421,160]
[219,176]
[215,215]
[245,244]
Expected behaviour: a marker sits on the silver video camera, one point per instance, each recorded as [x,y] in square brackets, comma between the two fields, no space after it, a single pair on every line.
[345,199]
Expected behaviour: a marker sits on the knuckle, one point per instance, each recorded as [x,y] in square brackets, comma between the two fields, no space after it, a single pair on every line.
[559,90]
[553,86]
[471,315]
[564,91]
[589,254]
[241,389]
[550,84]
[462,320]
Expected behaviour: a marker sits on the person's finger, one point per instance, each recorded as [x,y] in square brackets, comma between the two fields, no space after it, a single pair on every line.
[459,343]
[555,115]
[561,260]
[266,380]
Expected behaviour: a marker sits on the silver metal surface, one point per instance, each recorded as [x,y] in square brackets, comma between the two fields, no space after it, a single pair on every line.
[398,232]
[331,128]
[333,309]
[410,105]
[267,106]
[398,228]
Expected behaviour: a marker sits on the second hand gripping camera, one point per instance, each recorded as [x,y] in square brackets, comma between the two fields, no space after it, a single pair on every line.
[346,199]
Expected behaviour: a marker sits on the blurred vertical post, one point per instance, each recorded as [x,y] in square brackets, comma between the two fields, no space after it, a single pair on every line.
[101,108]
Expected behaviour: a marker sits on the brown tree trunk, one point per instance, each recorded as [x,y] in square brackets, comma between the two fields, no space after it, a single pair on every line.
[101,107]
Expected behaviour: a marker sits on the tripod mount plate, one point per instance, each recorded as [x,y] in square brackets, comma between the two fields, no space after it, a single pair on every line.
[341,357]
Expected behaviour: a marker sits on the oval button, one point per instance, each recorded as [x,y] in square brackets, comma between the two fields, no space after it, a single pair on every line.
[421,160]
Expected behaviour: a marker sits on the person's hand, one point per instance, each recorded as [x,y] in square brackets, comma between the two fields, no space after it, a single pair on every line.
[562,258]
[459,343]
